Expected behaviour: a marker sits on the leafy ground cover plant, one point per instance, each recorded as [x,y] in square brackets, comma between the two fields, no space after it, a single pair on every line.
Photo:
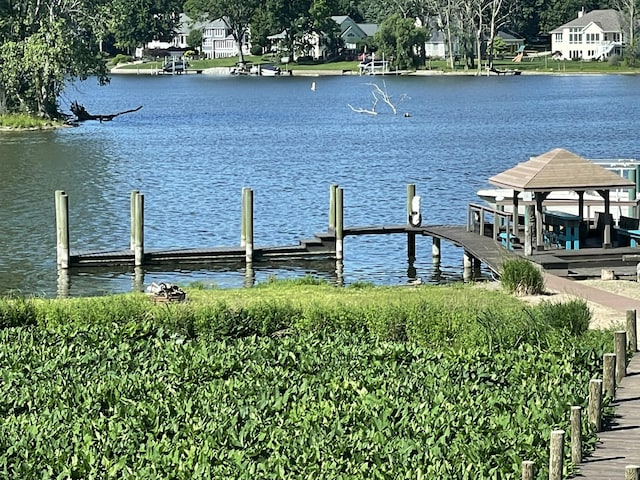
[340,384]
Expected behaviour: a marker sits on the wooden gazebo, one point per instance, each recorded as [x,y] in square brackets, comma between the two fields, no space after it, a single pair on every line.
[560,170]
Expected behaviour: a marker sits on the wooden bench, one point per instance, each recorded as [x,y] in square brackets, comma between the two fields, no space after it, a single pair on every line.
[627,232]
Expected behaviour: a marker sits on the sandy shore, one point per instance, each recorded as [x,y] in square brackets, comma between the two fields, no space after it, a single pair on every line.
[602,317]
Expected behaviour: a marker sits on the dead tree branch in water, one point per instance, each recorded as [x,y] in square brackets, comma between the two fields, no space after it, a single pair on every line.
[82,115]
[378,95]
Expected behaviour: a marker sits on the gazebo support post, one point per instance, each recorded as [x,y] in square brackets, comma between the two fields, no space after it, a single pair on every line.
[516,217]
[606,236]
[540,197]
[582,232]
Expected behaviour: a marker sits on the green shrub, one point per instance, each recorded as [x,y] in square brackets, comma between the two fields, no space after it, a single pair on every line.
[614,61]
[521,277]
[121,58]
[17,313]
[573,316]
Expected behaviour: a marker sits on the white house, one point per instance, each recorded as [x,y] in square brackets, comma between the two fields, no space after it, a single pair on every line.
[594,35]
[217,41]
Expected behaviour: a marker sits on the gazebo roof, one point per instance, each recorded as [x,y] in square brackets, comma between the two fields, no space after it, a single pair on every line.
[559,169]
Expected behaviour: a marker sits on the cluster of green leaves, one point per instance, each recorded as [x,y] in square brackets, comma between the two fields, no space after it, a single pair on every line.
[522,277]
[342,383]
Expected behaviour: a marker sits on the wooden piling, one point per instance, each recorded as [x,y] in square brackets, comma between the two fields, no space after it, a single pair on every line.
[62,228]
[527,470]
[632,330]
[411,237]
[132,207]
[576,435]
[243,217]
[339,223]
[467,265]
[138,243]
[620,349]
[632,472]
[435,250]
[594,413]
[332,207]
[249,226]
[556,455]
[609,374]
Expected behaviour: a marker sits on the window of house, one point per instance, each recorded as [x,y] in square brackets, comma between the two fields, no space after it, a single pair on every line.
[558,37]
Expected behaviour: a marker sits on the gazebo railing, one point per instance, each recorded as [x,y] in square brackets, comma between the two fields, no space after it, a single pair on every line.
[477,219]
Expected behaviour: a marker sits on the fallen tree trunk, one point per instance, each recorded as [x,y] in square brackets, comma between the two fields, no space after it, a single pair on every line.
[82,115]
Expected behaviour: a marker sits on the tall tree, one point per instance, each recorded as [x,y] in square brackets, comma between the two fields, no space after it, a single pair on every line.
[629,11]
[236,15]
[398,39]
[47,44]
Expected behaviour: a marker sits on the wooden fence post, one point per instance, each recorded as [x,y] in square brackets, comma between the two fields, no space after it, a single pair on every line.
[527,470]
[608,374]
[632,330]
[576,435]
[631,472]
[595,404]
[620,349]
[62,228]
[556,455]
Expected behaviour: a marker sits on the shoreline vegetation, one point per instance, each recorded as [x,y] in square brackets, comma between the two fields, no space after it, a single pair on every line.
[295,379]
[535,66]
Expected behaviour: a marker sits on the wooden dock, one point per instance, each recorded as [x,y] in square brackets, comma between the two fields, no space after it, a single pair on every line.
[619,444]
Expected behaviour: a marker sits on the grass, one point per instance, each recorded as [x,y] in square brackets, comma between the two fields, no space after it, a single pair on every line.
[25,121]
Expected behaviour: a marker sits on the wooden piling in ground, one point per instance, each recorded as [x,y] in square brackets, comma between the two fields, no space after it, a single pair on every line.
[620,349]
[556,455]
[576,435]
[609,374]
[594,413]
[339,223]
[527,470]
[632,330]
[249,226]
[62,228]
[138,243]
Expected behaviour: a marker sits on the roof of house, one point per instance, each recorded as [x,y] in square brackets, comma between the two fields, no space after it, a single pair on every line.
[559,169]
[608,20]
[369,28]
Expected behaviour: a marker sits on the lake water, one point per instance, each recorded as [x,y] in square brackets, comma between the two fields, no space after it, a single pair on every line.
[199,139]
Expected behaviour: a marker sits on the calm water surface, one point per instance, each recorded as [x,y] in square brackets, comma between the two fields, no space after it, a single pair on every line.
[199,139]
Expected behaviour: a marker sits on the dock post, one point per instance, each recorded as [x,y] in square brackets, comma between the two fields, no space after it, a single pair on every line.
[528,237]
[576,435]
[620,349]
[62,228]
[631,472]
[132,207]
[467,262]
[332,206]
[411,237]
[632,330]
[435,250]
[138,230]
[339,223]
[594,412]
[64,283]
[243,217]
[249,226]
[556,455]
[609,374]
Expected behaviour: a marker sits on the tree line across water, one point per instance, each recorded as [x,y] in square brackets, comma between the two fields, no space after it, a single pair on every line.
[46,44]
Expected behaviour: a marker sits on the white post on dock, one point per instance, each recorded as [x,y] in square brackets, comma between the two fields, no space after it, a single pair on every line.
[339,223]
[62,228]
[138,242]
[248,207]
[134,193]
[411,237]
[467,261]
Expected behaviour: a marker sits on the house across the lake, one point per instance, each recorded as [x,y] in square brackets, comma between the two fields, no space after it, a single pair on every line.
[596,35]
